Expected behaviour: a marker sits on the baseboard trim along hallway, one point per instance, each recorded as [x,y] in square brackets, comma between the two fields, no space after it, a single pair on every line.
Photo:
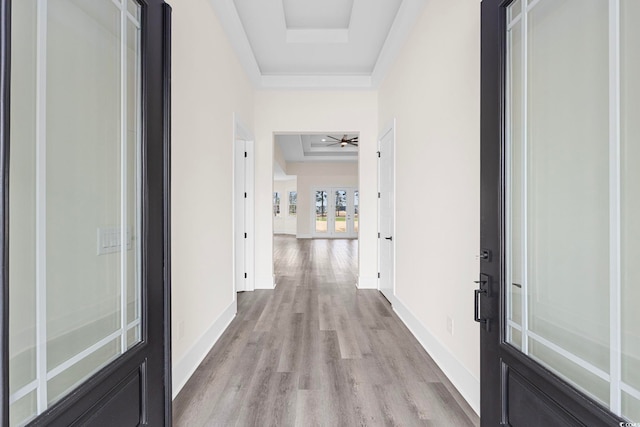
[188,364]
[460,377]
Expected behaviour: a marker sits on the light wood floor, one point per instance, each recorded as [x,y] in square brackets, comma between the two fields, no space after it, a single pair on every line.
[318,352]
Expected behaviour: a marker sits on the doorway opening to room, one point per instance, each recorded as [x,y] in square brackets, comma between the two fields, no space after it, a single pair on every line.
[315,190]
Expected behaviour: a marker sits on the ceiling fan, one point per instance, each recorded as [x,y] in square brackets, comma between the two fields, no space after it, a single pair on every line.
[344,141]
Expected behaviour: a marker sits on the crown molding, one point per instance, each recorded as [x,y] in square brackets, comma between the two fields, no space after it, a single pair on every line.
[308,36]
[406,18]
[230,20]
[315,82]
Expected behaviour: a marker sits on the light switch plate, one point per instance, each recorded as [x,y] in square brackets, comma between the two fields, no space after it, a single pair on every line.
[109,240]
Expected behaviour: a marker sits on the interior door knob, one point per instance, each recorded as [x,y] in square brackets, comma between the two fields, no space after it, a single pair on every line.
[389,238]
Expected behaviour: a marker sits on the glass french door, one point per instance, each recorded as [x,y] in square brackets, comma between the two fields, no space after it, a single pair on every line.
[571,159]
[80,269]
[336,212]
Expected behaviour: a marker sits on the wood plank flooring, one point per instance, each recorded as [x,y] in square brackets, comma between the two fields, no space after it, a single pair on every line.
[318,352]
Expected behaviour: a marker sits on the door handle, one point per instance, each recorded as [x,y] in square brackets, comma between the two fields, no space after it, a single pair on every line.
[389,238]
[483,290]
[476,308]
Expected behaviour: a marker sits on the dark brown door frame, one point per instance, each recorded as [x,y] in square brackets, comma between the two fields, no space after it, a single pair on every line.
[154,354]
[5,72]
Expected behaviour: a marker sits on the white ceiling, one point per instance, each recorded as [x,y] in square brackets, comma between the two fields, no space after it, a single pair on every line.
[312,148]
[317,43]
[305,14]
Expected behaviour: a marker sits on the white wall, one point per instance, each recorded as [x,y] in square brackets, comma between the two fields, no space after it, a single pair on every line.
[314,175]
[285,223]
[208,86]
[433,90]
[316,111]
[279,162]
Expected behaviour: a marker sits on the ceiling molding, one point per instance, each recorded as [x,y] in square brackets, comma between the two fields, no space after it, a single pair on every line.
[313,14]
[232,25]
[328,35]
[315,82]
[407,15]
[403,23]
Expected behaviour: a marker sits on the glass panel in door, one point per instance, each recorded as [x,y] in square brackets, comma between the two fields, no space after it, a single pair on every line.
[572,162]
[356,210]
[340,212]
[321,211]
[75,195]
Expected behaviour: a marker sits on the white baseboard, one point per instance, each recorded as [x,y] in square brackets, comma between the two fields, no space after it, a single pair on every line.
[463,380]
[304,236]
[265,282]
[187,365]
[367,282]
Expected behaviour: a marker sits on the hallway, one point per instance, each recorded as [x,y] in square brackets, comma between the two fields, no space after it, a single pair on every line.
[317,351]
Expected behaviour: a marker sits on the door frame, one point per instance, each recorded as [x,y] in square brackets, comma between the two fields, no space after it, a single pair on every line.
[391,127]
[242,134]
[100,390]
[5,85]
[500,363]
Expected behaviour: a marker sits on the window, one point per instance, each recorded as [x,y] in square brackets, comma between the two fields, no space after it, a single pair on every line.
[321,211]
[293,203]
[276,204]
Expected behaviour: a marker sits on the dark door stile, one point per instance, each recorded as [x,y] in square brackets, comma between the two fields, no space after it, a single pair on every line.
[515,390]
[5,72]
[137,385]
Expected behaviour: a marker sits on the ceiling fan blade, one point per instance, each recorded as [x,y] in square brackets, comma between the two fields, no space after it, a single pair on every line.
[353,143]
[335,143]
[335,139]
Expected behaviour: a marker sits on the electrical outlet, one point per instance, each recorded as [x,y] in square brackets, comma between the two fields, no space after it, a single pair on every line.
[450,325]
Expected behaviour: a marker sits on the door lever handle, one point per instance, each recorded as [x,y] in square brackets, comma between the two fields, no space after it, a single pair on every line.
[476,308]
[389,238]
[484,290]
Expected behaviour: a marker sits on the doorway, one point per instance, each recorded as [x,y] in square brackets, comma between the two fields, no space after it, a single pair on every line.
[315,185]
[386,213]
[243,212]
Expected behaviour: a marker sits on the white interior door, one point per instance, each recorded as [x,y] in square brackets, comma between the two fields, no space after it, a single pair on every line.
[239,192]
[243,216]
[386,203]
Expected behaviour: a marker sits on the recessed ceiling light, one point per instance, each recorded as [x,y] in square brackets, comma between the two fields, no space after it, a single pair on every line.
[324,140]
